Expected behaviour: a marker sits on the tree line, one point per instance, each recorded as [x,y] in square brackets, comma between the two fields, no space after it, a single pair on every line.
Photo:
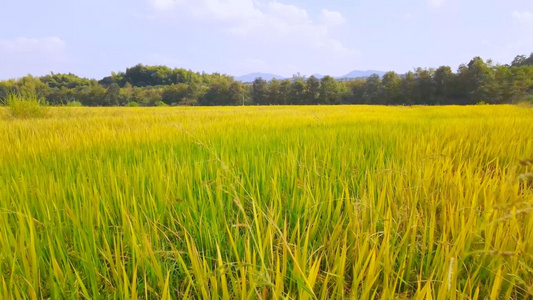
[478,81]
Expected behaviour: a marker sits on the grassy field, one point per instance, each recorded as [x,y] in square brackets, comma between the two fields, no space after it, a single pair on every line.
[319,202]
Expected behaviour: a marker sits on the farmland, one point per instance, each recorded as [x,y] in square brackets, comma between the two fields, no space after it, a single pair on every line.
[267,202]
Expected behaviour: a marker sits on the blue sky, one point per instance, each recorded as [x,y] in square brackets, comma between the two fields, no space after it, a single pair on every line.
[236,37]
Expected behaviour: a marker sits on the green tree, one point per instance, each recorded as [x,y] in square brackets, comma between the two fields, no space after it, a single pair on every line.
[298,92]
[274,92]
[521,83]
[150,96]
[522,60]
[32,85]
[479,79]
[312,95]
[236,93]
[519,61]
[112,95]
[141,75]
[285,92]
[259,91]
[444,79]
[126,94]
[358,90]
[92,95]
[372,90]
[425,87]
[218,92]
[7,87]
[175,93]
[408,88]
[391,88]
[329,91]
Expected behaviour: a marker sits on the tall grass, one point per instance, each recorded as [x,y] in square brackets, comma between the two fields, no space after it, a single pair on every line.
[25,105]
[267,202]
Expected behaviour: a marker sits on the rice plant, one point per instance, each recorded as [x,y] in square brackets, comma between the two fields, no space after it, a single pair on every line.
[326,202]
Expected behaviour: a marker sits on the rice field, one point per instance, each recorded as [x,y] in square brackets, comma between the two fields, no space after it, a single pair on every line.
[321,202]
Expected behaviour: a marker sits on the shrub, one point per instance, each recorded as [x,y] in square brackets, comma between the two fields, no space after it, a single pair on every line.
[74,103]
[132,104]
[25,105]
[526,102]
[160,103]
[187,102]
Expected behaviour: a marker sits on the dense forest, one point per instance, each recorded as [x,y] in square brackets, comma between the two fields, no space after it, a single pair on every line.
[478,81]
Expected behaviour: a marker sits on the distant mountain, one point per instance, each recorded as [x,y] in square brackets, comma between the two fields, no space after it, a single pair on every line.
[267,76]
[252,76]
[359,74]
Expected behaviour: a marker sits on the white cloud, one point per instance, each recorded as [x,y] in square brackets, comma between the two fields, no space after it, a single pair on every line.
[164,4]
[290,14]
[23,46]
[331,18]
[38,56]
[435,3]
[524,17]
[270,22]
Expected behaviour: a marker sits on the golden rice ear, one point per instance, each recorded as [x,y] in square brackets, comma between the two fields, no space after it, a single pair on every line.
[528,177]
[526,162]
